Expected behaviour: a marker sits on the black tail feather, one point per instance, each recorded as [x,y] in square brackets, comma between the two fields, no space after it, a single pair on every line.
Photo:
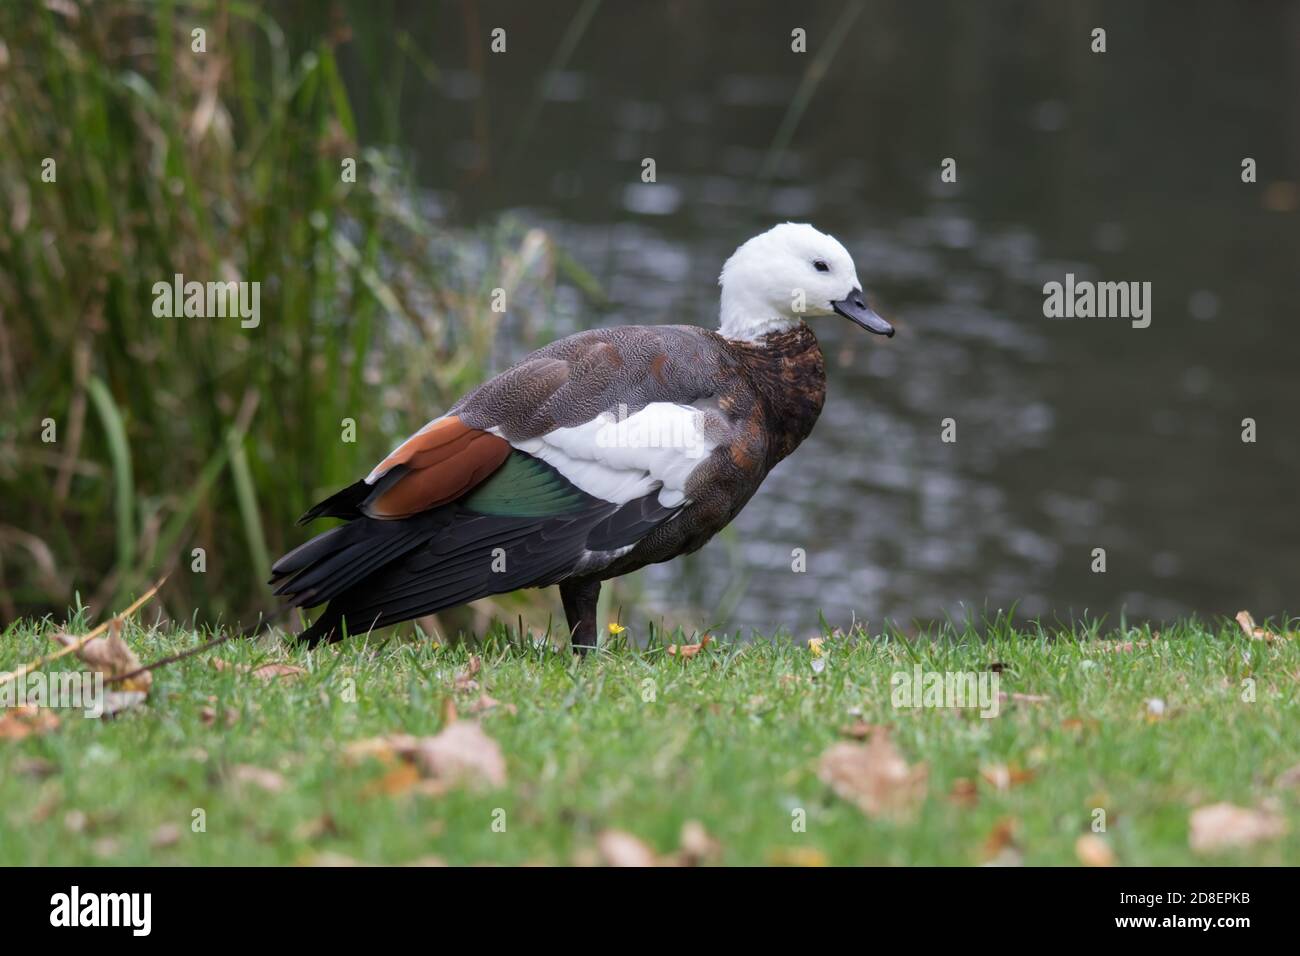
[375,573]
[342,504]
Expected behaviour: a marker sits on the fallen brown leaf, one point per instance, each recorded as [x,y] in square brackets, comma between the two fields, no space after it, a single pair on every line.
[268,780]
[37,767]
[486,703]
[268,672]
[697,846]
[1257,633]
[460,754]
[110,656]
[690,650]
[1002,777]
[465,679]
[797,856]
[169,834]
[964,792]
[1030,698]
[274,671]
[19,722]
[874,776]
[859,730]
[1125,647]
[316,828]
[117,701]
[1092,850]
[394,782]
[1000,845]
[1288,778]
[1222,826]
[623,849]
[331,859]
[208,716]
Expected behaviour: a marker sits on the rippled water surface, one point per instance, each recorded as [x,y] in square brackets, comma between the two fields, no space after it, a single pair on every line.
[1072,434]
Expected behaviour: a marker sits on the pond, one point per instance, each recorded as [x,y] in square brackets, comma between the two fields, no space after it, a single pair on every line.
[1071,434]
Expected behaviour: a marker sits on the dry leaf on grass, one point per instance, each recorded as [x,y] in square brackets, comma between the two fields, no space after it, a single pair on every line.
[267,780]
[620,848]
[37,767]
[964,793]
[110,656]
[690,650]
[486,703]
[465,679]
[697,846]
[316,828]
[1023,698]
[797,856]
[1257,633]
[1000,847]
[1125,647]
[875,776]
[208,716]
[623,849]
[1003,777]
[395,781]
[1288,779]
[330,859]
[460,754]
[1223,826]
[169,834]
[1092,850]
[861,730]
[19,722]
[268,672]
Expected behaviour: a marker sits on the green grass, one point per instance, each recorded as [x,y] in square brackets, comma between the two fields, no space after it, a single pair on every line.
[731,739]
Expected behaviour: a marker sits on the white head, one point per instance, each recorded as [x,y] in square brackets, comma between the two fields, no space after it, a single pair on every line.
[782,276]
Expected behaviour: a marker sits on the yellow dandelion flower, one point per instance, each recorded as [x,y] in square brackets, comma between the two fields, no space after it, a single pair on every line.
[815,645]
[616,628]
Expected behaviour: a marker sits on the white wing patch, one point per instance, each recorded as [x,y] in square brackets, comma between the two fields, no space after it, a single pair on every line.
[620,457]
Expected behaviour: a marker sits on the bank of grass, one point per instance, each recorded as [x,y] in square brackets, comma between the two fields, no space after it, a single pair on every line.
[731,739]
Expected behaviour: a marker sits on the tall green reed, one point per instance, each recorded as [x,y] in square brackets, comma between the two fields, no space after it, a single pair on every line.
[179,434]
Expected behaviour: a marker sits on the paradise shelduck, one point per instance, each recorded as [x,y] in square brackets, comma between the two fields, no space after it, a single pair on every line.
[599,454]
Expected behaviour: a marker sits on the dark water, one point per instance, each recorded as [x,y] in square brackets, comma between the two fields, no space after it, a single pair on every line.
[1072,434]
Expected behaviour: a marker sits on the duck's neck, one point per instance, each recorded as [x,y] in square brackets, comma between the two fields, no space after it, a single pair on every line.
[789,373]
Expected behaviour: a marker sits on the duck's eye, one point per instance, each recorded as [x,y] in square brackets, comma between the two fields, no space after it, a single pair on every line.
[821,266]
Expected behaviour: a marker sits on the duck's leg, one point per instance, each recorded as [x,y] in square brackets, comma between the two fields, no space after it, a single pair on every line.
[580,596]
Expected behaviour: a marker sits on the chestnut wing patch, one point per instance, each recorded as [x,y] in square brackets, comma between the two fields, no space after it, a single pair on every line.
[438,464]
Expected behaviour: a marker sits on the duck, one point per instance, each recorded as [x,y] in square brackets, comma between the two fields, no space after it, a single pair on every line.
[598,454]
